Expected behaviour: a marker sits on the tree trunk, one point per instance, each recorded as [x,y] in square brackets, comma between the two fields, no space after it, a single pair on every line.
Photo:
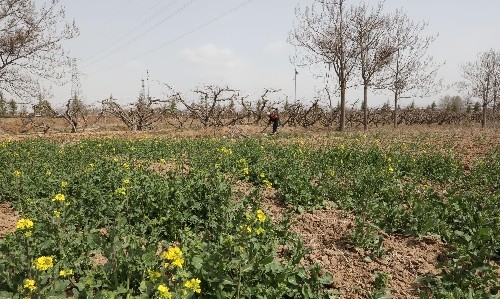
[495,93]
[395,114]
[365,107]
[342,106]
[483,118]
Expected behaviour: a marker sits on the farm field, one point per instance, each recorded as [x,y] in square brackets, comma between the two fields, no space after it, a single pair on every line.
[403,213]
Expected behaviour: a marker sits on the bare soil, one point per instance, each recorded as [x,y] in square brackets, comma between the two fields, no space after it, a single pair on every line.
[8,219]
[324,232]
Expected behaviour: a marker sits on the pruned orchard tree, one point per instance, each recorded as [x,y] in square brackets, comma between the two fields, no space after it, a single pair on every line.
[264,103]
[323,30]
[482,79]
[139,116]
[411,71]
[370,32]
[212,103]
[30,44]
[75,113]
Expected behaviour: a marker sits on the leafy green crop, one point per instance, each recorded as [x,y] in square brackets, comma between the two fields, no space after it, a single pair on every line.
[128,202]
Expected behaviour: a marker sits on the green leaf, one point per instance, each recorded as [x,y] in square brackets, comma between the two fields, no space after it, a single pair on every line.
[197,262]
[292,279]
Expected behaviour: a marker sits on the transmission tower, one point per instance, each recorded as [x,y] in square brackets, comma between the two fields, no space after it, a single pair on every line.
[75,80]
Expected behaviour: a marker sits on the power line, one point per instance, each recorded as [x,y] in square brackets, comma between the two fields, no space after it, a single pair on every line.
[141,34]
[193,30]
[148,19]
[117,12]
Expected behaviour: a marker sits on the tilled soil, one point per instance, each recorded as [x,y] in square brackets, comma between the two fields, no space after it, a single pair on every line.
[8,219]
[405,259]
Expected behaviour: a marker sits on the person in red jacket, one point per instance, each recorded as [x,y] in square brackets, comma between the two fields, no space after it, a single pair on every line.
[275,119]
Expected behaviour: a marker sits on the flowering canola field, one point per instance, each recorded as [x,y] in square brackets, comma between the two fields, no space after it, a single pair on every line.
[168,218]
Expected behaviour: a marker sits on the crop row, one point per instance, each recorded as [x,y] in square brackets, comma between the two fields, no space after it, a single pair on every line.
[165,218]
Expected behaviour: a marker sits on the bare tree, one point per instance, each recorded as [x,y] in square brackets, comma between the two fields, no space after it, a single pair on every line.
[210,104]
[3,105]
[264,103]
[75,113]
[411,72]
[324,33]
[140,115]
[370,33]
[30,44]
[482,79]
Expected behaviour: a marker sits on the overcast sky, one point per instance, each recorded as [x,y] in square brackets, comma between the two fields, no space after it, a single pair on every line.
[240,43]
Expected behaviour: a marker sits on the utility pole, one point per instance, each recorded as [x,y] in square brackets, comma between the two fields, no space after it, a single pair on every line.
[147,80]
[295,79]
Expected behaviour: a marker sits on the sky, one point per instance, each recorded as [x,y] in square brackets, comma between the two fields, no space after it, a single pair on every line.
[241,44]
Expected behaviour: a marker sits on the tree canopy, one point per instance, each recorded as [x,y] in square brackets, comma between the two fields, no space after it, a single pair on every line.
[30,45]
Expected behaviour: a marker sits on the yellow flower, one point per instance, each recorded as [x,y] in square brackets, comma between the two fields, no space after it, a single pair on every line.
[121,191]
[153,275]
[65,273]
[163,161]
[28,234]
[268,184]
[91,165]
[332,173]
[44,263]
[126,165]
[245,171]
[59,197]
[262,175]
[64,184]
[194,285]
[24,223]
[17,173]
[217,166]
[248,228]
[259,231]
[389,160]
[30,285]
[57,214]
[242,161]
[126,182]
[391,170]
[174,256]
[261,216]
[172,253]
[226,151]
[164,292]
